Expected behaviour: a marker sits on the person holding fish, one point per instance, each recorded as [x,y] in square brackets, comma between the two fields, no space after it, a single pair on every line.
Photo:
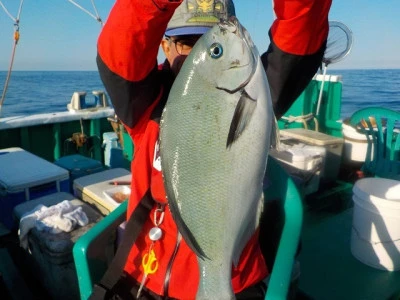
[201,124]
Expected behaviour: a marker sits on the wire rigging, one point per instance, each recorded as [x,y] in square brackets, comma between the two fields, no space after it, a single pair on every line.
[97,12]
[96,17]
[16,39]
[16,20]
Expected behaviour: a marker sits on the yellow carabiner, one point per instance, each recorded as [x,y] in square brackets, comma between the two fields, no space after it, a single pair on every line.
[150,263]
[150,266]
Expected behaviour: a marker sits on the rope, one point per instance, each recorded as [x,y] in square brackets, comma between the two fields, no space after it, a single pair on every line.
[298,119]
[3,96]
[16,39]
[96,17]
[302,119]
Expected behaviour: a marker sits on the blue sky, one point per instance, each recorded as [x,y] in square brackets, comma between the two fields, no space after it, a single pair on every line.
[56,35]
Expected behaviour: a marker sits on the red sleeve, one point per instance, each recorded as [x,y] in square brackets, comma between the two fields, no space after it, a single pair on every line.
[127,55]
[130,39]
[301,26]
[298,41]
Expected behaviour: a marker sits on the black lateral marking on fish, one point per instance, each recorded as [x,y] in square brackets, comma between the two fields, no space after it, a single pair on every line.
[243,112]
[185,231]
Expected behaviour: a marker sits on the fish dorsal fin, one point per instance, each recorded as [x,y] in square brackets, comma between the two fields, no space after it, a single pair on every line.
[243,112]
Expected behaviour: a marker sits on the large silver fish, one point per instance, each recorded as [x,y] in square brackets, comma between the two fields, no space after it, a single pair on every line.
[214,140]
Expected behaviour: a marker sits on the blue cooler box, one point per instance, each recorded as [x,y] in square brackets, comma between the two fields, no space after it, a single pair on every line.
[25,176]
[79,165]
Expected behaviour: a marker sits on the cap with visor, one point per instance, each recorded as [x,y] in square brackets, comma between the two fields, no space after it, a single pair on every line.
[198,16]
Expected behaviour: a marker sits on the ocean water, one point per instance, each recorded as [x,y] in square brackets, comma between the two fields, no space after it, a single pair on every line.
[364,88]
[33,92]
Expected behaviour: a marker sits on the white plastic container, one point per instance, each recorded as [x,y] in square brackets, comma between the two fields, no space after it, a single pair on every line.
[303,162]
[333,146]
[375,237]
[91,188]
[300,156]
[355,144]
[118,194]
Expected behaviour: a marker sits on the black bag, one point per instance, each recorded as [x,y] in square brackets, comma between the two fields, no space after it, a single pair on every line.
[107,286]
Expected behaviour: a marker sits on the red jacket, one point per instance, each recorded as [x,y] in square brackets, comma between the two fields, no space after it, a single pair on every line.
[127,52]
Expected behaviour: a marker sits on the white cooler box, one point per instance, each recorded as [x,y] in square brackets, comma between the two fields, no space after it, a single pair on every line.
[302,162]
[333,146]
[25,176]
[97,188]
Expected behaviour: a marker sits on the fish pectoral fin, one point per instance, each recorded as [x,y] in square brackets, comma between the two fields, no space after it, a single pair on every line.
[243,112]
[275,135]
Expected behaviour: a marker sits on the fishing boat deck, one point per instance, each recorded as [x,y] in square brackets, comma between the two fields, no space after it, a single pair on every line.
[328,268]
[16,281]
[330,271]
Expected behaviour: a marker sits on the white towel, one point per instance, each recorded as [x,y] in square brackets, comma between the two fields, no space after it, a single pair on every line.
[54,219]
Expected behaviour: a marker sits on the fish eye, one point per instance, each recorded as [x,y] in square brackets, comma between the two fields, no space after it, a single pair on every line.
[216,50]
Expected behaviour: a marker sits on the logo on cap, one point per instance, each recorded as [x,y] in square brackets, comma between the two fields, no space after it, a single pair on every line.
[206,11]
[198,16]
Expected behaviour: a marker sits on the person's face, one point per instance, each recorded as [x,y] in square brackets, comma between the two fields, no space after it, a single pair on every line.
[177,48]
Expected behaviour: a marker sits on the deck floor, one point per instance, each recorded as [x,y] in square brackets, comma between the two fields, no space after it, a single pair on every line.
[17,280]
[330,271]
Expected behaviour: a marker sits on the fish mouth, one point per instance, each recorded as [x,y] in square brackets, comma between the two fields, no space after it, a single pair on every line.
[233,25]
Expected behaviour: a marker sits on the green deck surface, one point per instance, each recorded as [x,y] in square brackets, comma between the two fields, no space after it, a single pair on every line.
[330,271]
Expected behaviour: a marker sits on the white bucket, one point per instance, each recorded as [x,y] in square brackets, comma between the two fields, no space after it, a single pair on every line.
[375,237]
[355,144]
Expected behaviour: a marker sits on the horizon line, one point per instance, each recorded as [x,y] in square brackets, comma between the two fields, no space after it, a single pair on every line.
[95,70]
